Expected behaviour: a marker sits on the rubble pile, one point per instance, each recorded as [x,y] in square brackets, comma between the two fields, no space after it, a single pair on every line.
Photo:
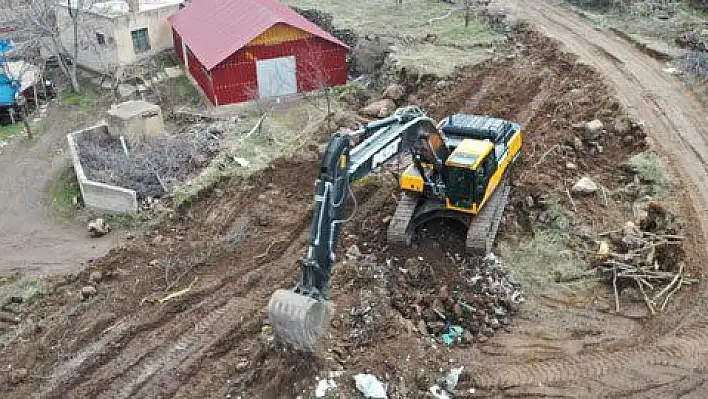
[478,299]
[150,167]
[647,254]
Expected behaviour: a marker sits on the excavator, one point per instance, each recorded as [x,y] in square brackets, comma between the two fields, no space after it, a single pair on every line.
[459,168]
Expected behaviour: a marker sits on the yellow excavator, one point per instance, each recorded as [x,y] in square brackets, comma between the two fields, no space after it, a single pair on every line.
[459,168]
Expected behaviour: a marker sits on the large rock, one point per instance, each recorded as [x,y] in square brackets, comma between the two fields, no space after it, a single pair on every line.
[98,227]
[585,186]
[379,109]
[126,90]
[623,126]
[593,129]
[394,92]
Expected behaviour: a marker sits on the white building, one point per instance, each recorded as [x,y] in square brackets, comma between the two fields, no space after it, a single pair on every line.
[117,33]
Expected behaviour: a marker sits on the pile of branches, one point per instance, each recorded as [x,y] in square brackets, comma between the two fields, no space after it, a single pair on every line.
[648,257]
[151,166]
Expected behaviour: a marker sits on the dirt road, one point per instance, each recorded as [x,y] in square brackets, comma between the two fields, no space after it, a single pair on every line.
[32,242]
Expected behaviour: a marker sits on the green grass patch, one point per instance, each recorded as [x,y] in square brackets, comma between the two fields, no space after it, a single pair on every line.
[543,262]
[408,24]
[10,130]
[26,289]
[64,192]
[649,168]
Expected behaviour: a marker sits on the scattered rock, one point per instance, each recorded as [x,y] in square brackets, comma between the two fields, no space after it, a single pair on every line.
[578,144]
[126,90]
[173,72]
[604,249]
[571,166]
[422,328]
[370,386]
[18,375]
[353,252]
[379,109]
[323,386]
[242,365]
[593,129]
[585,186]
[452,378]
[623,126]
[9,318]
[88,291]
[95,276]
[394,92]
[98,227]
[129,236]
[154,263]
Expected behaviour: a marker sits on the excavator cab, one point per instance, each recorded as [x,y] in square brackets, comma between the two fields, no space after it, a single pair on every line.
[469,168]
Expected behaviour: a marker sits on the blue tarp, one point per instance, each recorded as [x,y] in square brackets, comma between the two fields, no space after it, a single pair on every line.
[8,87]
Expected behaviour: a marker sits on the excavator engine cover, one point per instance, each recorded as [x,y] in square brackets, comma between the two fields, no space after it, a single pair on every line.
[298,320]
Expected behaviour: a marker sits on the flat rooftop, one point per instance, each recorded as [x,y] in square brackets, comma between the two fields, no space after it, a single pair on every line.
[117,8]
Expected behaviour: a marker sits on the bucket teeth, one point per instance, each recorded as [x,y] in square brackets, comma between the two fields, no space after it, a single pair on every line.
[297,320]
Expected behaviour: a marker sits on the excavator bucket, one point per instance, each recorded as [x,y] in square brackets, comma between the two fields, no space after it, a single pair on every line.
[298,320]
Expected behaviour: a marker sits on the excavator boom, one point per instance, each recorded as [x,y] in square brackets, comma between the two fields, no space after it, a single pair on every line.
[300,316]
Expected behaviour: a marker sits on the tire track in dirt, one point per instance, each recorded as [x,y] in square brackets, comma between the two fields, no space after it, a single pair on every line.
[680,350]
[152,347]
[196,382]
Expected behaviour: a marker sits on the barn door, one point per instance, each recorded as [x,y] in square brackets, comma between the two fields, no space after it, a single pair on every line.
[276,77]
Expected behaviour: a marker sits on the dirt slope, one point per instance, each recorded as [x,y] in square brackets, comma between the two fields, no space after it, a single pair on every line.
[673,116]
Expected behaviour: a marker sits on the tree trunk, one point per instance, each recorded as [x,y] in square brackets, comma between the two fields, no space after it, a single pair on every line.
[74,81]
[467,14]
[27,125]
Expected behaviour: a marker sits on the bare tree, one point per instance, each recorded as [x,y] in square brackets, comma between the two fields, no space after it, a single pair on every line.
[316,74]
[38,23]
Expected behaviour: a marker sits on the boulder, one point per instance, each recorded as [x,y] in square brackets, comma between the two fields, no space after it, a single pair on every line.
[585,186]
[379,108]
[98,227]
[623,126]
[88,291]
[394,92]
[126,90]
[593,129]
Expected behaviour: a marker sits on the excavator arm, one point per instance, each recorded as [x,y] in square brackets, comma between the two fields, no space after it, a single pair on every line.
[301,315]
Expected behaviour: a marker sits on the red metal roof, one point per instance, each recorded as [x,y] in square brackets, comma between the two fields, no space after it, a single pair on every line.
[215,29]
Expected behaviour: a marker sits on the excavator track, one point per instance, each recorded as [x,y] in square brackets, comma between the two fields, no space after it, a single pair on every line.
[400,230]
[484,226]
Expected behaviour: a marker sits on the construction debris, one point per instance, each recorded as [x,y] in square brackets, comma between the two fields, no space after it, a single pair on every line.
[482,300]
[648,256]
[370,386]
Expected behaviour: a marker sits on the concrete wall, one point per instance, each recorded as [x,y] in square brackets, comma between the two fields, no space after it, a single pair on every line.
[159,30]
[118,49]
[100,196]
[92,55]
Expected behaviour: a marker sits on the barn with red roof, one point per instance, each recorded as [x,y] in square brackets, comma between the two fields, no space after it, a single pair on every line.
[241,50]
